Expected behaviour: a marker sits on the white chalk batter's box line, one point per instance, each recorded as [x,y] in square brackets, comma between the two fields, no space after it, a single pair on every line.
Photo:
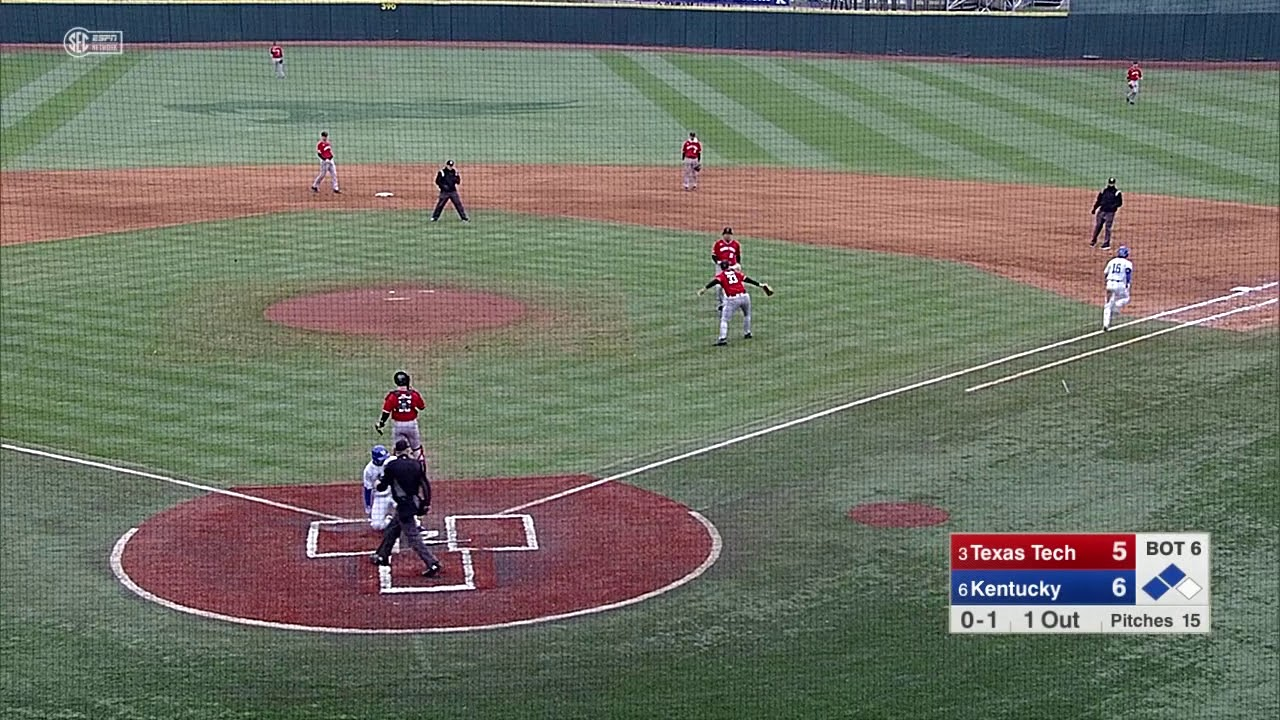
[452,540]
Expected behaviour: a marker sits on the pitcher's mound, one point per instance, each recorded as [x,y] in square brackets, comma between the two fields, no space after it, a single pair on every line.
[399,313]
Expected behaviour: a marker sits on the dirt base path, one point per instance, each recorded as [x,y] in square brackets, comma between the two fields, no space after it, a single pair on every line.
[1185,249]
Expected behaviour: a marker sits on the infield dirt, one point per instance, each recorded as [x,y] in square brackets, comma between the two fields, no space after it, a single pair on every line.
[1185,249]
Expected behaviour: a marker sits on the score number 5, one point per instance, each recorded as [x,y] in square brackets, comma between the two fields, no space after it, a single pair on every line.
[1120,550]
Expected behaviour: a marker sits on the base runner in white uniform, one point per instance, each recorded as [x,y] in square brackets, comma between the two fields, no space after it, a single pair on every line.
[1119,275]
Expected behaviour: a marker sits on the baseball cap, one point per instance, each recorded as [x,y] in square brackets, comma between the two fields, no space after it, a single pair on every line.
[1111,181]
[727,231]
[402,445]
[449,163]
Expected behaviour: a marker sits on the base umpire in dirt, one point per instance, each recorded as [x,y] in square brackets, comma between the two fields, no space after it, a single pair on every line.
[411,491]
[1105,207]
[447,180]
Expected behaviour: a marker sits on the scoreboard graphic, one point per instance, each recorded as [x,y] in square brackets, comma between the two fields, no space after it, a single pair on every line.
[1080,583]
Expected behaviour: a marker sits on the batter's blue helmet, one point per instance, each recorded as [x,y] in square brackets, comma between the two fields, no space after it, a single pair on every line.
[379,454]
[1123,251]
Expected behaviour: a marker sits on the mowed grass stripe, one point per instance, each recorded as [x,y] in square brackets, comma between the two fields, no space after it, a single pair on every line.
[52,81]
[927,121]
[727,141]
[848,140]
[1185,158]
[59,109]
[1072,89]
[775,140]
[1123,149]
[20,69]
[1059,155]
[1216,89]
[959,163]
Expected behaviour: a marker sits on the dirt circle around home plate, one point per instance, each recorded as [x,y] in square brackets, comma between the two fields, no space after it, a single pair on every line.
[297,557]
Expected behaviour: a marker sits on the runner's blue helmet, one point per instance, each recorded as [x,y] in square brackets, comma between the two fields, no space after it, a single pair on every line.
[379,454]
[1123,251]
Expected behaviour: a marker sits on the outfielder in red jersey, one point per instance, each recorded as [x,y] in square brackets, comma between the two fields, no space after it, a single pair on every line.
[733,283]
[402,406]
[324,151]
[1134,74]
[277,59]
[691,156]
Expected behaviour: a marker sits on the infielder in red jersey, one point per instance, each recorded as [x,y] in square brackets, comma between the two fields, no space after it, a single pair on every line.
[733,283]
[277,59]
[324,151]
[691,157]
[402,406]
[1134,74]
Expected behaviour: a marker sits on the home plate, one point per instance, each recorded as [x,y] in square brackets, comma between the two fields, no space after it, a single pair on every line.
[384,193]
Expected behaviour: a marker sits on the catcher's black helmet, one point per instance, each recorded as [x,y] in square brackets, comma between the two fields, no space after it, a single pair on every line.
[402,379]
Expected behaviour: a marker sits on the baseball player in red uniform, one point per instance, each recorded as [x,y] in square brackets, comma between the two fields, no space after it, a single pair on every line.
[324,151]
[277,59]
[726,249]
[1134,74]
[734,285]
[691,156]
[402,406]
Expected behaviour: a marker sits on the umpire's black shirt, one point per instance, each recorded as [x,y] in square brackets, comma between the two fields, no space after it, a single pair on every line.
[405,477]
[1109,200]
[447,180]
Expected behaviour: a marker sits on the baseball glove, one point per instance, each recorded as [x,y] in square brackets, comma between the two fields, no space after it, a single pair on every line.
[767,290]
[697,167]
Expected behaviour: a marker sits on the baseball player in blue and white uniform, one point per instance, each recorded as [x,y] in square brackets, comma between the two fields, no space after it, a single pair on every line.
[378,505]
[1118,275]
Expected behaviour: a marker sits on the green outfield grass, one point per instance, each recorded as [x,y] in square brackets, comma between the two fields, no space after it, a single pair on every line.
[1204,134]
[148,349]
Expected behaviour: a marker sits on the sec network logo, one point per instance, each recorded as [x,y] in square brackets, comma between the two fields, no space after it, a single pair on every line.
[79,42]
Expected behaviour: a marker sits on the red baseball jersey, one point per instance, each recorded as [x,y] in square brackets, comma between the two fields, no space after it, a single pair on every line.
[728,250]
[324,149]
[1135,72]
[731,281]
[692,149]
[403,404]
[277,52]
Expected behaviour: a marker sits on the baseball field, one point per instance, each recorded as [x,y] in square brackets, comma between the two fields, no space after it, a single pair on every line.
[634,523]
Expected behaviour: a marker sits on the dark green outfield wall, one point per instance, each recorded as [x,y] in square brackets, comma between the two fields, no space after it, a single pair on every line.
[1234,36]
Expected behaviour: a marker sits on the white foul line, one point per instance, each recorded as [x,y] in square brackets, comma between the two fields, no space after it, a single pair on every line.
[864,401]
[1140,338]
[175,481]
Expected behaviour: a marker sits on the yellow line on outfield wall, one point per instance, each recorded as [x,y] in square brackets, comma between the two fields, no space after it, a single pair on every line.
[583,5]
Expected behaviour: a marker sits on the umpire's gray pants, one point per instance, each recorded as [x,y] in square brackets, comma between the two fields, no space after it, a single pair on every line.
[1107,219]
[449,197]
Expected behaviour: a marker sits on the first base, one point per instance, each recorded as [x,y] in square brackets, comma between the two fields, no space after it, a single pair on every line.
[384,194]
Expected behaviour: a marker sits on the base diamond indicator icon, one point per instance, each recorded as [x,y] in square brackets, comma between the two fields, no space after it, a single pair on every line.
[1188,588]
